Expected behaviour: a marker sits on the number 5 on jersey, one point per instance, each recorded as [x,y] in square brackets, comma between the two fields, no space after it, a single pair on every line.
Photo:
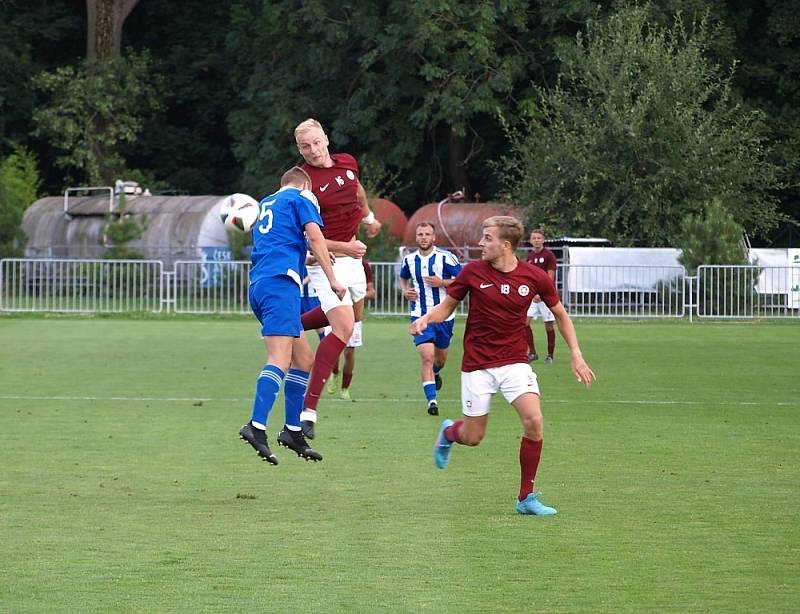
[266,212]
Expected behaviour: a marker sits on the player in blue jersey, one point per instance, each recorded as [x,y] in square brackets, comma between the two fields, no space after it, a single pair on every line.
[424,277]
[288,225]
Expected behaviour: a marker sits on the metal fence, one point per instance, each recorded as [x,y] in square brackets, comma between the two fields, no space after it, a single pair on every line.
[748,292]
[95,286]
[629,291]
[202,287]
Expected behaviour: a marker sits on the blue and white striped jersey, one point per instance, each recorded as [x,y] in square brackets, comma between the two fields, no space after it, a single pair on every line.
[440,263]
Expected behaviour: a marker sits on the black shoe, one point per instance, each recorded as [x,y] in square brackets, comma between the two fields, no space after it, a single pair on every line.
[307,428]
[258,439]
[433,408]
[295,441]
[438,381]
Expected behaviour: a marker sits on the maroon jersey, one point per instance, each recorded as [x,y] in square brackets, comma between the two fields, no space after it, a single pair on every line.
[545,259]
[498,306]
[336,189]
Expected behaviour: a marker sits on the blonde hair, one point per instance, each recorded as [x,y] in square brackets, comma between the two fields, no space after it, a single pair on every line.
[295,176]
[508,228]
[429,224]
[305,126]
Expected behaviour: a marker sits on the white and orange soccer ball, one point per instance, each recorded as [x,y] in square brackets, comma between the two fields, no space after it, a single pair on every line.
[239,212]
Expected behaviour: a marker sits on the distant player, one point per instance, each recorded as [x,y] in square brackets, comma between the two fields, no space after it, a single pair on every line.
[424,277]
[499,287]
[543,258]
[287,218]
[356,341]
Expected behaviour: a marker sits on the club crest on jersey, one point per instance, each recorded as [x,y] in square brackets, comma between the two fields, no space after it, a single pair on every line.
[350,175]
[524,290]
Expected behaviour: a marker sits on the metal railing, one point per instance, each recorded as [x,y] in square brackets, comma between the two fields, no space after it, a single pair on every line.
[203,287]
[628,291]
[96,286]
[750,291]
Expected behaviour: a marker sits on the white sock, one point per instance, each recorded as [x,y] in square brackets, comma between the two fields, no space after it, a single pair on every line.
[308,414]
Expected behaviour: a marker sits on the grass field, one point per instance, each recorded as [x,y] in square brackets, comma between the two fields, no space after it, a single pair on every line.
[124,487]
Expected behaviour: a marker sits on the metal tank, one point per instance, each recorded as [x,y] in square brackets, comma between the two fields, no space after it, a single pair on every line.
[458,224]
[391,216]
[176,227]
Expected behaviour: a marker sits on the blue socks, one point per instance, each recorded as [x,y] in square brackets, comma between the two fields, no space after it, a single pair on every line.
[294,390]
[429,388]
[267,387]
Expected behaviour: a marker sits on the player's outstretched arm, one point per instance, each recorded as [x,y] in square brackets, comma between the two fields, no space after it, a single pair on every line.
[579,367]
[318,247]
[438,314]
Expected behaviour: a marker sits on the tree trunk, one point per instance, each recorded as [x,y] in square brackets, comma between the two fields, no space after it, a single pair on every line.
[104,30]
[458,164]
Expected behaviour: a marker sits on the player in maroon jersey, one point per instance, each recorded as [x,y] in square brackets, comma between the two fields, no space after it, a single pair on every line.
[500,288]
[344,206]
[543,258]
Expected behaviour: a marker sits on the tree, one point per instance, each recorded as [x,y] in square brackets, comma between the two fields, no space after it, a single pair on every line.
[19,188]
[94,109]
[640,130]
[105,19]
[410,87]
[710,237]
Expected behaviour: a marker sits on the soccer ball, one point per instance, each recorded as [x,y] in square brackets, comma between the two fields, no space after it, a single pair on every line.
[239,212]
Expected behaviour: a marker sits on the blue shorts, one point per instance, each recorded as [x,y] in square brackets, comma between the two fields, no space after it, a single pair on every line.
[307,303]
[439,334]
[275,301]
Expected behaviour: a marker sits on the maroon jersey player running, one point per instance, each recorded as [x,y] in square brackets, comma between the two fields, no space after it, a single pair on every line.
[500,288]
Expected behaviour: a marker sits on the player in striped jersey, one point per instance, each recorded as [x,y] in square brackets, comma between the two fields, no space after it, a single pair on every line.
[424,277]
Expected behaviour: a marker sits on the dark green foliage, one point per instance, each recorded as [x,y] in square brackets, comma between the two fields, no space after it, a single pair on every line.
[122,228]
[414,89]
[19,188]
[93,109]
[641,129]
[710,237]
[714,237]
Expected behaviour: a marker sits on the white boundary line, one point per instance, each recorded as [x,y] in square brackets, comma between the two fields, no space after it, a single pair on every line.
[12,397]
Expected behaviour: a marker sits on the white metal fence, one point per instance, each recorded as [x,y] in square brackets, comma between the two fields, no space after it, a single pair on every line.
[199,287]
[81,285]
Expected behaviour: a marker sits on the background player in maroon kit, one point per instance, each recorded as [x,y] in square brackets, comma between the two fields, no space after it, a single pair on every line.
[343,205]
[500,287]
[543,258]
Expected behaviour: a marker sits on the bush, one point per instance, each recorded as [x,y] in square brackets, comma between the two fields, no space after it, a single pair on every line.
[19,188]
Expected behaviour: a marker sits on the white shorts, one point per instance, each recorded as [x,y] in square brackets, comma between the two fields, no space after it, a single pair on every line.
[355,339]
[540,309]
[349,272]
[477,387]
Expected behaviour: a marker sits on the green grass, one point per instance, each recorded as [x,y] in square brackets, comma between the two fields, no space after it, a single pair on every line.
[124,488]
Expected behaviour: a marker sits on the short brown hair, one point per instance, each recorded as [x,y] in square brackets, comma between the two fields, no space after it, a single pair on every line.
[508,228]
[538,231]
[427,223]
[295,176]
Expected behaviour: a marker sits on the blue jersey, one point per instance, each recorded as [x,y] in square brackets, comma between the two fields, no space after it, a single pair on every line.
[279,239]
[440,263]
